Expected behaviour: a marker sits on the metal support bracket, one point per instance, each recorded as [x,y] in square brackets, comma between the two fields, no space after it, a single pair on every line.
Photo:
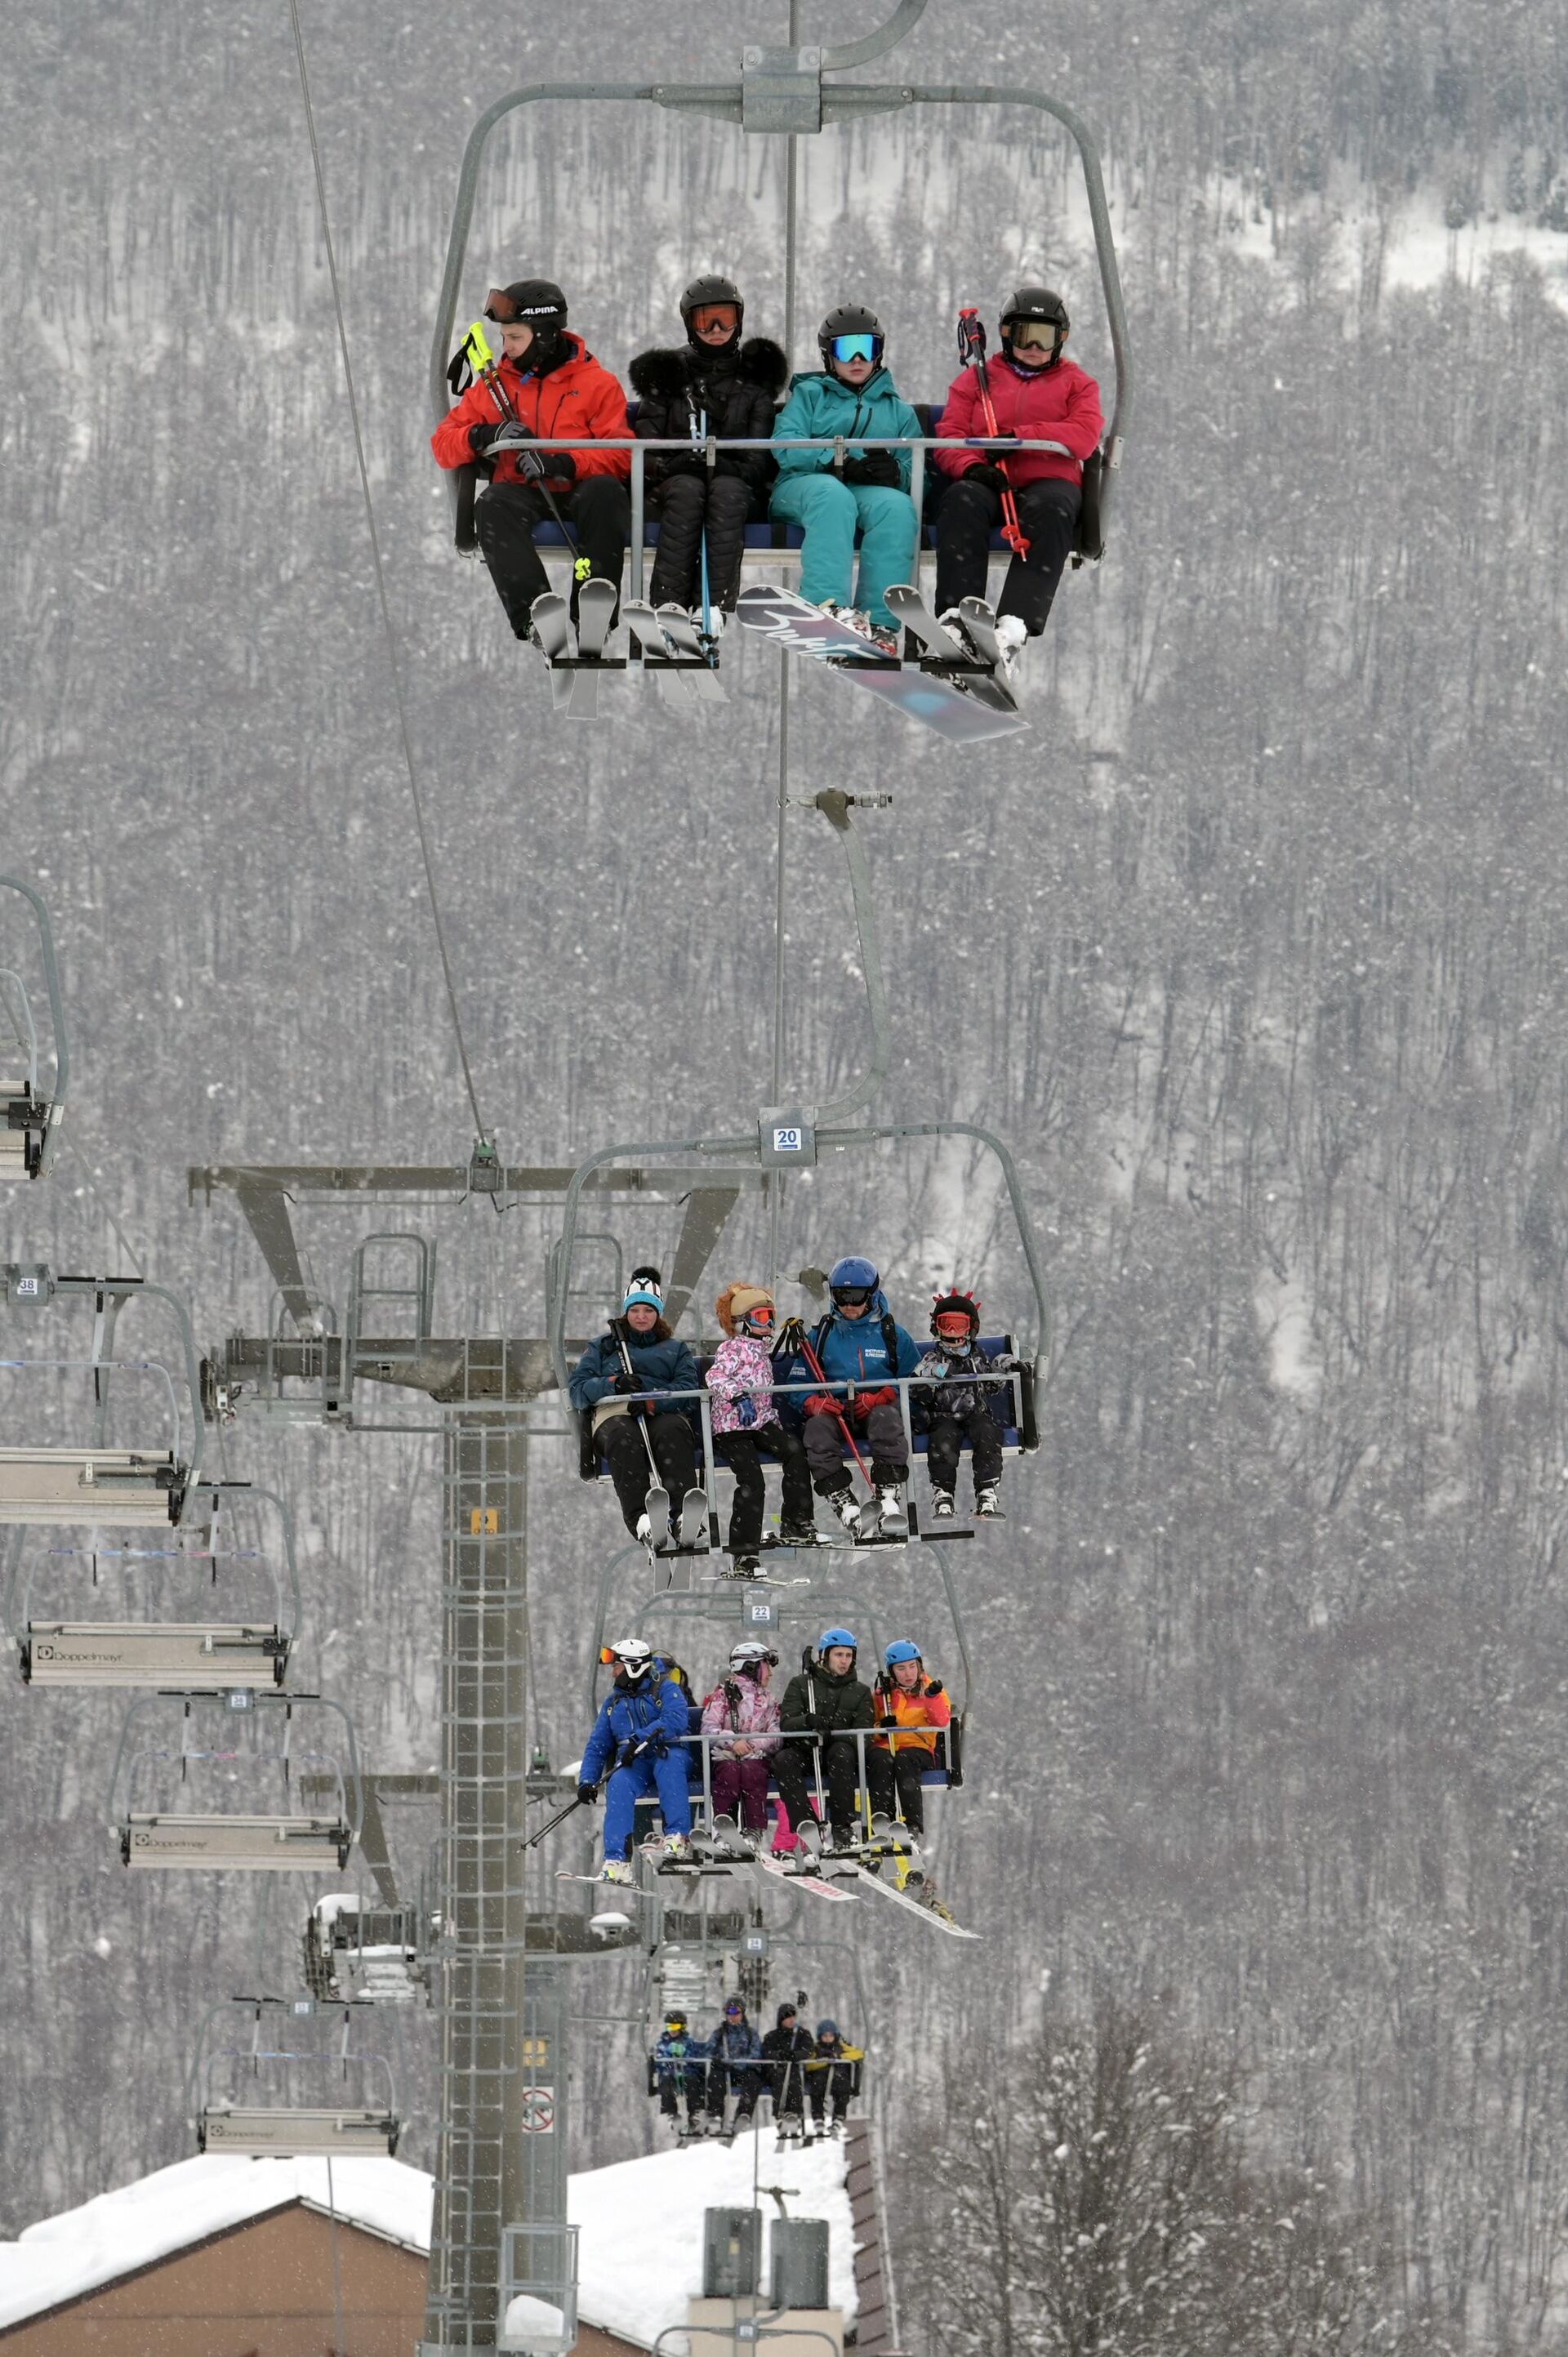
[781,90]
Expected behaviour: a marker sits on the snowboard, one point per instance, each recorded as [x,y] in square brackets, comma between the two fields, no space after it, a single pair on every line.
[872,1882]
[797,626]
[988,687]
[766,1863]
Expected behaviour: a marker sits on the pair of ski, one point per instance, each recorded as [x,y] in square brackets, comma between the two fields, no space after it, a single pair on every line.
[671,648]
[959,687]
[859,1875]
[683,1534]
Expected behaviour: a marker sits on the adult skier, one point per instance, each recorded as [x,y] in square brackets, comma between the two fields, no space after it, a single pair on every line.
[735,2053]
[911,1710]
[1040,396]
[858,1341]
[680,2074]
[832,2076]
[867,490]
[714,384]
[823,1706]
[640,1354]
[552,385]
[964,1401]
[786,2050]
[741,1718]
[744,1413]
[638,1740]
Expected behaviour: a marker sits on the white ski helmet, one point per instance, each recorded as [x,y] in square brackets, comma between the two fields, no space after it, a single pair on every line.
[632,1655]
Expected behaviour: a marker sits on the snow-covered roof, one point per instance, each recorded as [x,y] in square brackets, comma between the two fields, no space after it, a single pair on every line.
[639,2252]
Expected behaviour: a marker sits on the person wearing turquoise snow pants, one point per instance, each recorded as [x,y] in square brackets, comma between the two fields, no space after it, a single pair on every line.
[869,491]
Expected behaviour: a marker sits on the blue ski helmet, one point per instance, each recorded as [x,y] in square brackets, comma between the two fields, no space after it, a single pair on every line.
[902,1649]
[827,2029]
[854,1276]
[832,1637]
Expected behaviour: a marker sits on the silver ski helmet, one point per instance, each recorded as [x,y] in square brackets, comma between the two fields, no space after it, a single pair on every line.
[859,333]
[750,1653]
[706,293]
[1037,308]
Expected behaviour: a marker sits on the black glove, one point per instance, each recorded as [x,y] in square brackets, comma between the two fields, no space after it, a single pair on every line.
[558,463]
[587,1794]
[992,477]
[875,467]
[684,462]
[623,1382]
[933,1685]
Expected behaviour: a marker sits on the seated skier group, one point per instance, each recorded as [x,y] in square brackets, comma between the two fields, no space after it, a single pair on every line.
[803,1397]
[695,2077]
[547,384]
[770,1760]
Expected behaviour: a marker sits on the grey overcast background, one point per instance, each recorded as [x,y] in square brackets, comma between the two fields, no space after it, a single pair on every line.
[1254,950]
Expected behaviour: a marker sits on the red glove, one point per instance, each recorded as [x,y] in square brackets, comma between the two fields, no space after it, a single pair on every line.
[822,1404]
[866,1401]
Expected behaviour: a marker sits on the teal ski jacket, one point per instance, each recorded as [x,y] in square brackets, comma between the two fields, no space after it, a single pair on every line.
[819,403]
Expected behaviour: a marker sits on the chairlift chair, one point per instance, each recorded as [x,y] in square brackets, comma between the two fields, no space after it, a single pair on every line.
[227,2122]
[286,1841]
[205,1656]
[30,1114]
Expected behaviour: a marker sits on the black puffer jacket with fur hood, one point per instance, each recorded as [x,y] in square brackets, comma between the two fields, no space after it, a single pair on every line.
[736,389]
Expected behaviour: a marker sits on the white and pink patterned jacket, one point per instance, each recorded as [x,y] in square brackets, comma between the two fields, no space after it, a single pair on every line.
[752,1713]
[741,1365]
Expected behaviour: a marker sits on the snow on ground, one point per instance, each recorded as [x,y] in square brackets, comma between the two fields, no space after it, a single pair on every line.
[640,2254]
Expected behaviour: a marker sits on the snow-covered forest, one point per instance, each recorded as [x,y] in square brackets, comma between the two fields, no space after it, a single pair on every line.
[1254,950]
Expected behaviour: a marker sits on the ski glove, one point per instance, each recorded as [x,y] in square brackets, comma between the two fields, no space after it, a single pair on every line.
[875,468]
[682,462]
[866,1401]
[934,1685]
[746,1409]
[992,477]
[623,1382]
[822,1404]
[587,1794]
[558,463]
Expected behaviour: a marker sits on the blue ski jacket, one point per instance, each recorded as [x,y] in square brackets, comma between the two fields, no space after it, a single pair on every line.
[819,403]
[735,2042]
[669,1366]
[849,1350]
[677,2059]
[658,1714]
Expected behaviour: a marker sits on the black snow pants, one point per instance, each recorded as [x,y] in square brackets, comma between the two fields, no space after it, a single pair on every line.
[680,504]
[837,2082]
[978,1425]
[899,1773]
[738,1450]
[794,1770]
[971,513]
[674,1451]
[598,513]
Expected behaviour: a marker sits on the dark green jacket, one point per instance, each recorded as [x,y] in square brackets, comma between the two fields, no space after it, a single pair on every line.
[839,1702]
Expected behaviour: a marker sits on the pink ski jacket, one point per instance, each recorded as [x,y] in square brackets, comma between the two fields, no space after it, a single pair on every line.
[741,1366]
[740,1706]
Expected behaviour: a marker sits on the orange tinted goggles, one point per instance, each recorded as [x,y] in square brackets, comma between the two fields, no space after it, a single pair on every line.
[715,314]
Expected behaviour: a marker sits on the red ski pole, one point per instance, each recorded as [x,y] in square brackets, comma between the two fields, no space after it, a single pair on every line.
[815,1365]
[972,352]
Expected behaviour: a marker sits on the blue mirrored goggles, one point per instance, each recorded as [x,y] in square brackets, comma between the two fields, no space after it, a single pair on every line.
[855,348]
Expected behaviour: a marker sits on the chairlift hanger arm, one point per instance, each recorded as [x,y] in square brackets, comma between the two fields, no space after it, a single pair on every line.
[124,1288]
[57,1015]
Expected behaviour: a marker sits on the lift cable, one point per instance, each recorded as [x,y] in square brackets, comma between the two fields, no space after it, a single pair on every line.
[380,571]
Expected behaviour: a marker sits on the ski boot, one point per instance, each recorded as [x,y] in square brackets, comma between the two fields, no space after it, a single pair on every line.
[797,1534]
[843,1505]
[885,642]
[616,1869]
[1013,637]
[677,1849]
[851,617]
[943,1506]
[791,2129]
[892,1514]
[741,1566]
[985,1502]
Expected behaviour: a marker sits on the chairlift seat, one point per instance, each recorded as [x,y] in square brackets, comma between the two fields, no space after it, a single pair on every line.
[90,1485]
[256,1845]
[190,1656]
[269,2132]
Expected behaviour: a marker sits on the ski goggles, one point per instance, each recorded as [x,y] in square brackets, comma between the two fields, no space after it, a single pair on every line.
[852,1296]
[1035,335]
[763,1316]
[715,314]
[952,1325]
[855,348]
[499,306]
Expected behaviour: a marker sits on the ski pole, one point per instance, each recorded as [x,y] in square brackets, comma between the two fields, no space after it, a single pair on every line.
[815,1364]
[972,352]
[641,1423]
[703,543]
[549,1826]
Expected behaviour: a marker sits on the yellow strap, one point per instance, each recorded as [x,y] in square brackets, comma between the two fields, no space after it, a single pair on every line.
[477,345]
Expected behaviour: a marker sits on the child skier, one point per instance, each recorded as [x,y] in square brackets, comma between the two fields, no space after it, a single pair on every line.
[912,1709]
[742,1412]
[822,1709]
[959,1404]
[680,2074]
[735,2053]
[640,1354]
[713,384]
[638,1737]
[867,492]
[858,1341]
[832,2076]
[743,1718]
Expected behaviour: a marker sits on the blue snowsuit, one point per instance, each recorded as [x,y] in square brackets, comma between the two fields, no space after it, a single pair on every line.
[809,492]
[854,1350]
[655,1715]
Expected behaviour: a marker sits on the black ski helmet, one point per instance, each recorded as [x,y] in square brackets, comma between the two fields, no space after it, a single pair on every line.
[1036,303]
[850,319]
[536,303]
[958,1305]
[712,287]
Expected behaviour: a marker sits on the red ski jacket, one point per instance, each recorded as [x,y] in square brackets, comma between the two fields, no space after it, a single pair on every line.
[1054,405]
[578,397]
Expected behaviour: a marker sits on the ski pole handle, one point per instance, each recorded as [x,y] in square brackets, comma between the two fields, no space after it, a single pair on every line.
[549,1826]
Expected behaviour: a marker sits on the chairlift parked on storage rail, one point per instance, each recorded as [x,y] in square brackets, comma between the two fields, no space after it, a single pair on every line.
[32,1107]
[190,1656]
[286,1840]
[242,2092]
[102,1482]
